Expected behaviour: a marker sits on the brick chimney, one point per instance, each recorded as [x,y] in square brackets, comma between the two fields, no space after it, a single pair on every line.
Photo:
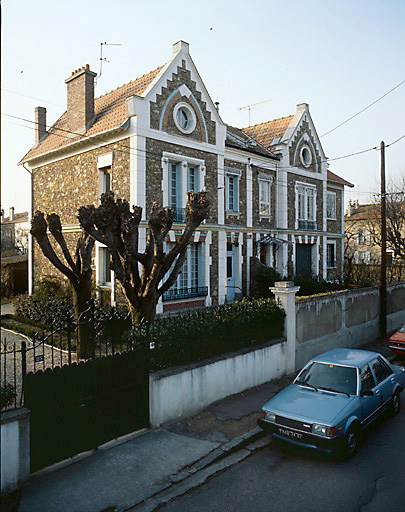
[11,216]
[80,99]
[349,209]
[40,124]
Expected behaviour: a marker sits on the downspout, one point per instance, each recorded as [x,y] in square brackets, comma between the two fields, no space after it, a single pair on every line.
[30,241]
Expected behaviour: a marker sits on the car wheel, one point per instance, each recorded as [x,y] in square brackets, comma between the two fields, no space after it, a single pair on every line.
[352,441]
[395,404]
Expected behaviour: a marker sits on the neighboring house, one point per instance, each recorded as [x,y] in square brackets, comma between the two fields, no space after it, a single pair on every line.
[14,260]
[363,228]
[152,139]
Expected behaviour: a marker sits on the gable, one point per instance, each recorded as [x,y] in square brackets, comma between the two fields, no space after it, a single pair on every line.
[179,108]
[304,151]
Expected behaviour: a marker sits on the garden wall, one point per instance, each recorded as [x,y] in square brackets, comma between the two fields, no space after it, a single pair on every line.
[183,391]
[344,319]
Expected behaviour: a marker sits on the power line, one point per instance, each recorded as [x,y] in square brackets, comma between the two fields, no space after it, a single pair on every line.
[362,110]
[33,98]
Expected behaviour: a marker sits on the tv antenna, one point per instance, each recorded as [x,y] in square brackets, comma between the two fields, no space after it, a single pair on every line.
[253,105]
[103,59]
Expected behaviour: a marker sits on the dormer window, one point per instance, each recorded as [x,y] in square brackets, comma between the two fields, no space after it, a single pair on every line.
[184,117]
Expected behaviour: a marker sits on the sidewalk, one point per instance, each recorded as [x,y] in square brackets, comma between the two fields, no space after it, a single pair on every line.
[143,470]
[123,475]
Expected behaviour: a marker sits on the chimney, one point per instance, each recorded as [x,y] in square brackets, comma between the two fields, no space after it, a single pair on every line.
[349,208]
[40,124]
[356,204]
[11,217]
[80,99]
[217,106]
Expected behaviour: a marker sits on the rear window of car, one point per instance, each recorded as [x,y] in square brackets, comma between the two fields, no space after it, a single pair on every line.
[331,377]
[402,329]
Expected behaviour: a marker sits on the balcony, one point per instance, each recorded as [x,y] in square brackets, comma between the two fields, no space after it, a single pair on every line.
[185,293]
[179,214]
[307,225]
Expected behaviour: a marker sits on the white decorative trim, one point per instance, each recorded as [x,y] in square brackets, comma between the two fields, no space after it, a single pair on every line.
[265,177]
[235,172]
[249,196]
[193,121]
[104,160]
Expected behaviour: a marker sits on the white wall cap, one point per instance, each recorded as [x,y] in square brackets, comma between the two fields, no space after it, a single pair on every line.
[302,107]
[181,45]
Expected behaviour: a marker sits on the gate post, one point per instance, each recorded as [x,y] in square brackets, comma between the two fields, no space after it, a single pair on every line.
[284,292]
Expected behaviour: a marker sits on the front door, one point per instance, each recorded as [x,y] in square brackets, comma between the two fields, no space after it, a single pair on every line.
[303,260]
[230,273]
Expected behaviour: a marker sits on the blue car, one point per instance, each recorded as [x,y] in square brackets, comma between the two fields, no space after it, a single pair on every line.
[333,398]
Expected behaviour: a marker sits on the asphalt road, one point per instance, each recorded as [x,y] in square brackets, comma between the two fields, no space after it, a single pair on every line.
[280,480]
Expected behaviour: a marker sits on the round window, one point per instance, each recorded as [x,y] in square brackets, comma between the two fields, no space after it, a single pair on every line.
[306,156]
[184,117]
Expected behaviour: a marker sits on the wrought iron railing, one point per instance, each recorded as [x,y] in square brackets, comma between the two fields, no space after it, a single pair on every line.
[179,214]
[307,225]
[185,293]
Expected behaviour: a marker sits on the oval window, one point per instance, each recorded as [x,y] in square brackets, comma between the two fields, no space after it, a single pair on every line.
[184,117]
[306,156]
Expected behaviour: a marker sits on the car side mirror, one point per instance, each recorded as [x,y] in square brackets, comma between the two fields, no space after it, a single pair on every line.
[367,392]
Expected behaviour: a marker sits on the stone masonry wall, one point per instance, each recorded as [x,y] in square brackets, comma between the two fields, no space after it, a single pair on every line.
[237,218]
[291,181]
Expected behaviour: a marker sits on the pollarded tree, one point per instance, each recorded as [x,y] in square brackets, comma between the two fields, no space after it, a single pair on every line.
[141,274]
[78,271]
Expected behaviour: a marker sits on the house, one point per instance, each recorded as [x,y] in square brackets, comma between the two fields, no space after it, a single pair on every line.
[152,139]
[363,232]
[14,260]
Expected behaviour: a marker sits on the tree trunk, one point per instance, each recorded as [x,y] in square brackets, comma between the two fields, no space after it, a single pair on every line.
[81,305]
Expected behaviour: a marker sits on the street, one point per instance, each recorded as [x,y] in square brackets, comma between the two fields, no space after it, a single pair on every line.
[277,479]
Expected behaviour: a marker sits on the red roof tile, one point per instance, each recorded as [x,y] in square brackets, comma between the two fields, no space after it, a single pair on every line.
[265,133]
[110,110]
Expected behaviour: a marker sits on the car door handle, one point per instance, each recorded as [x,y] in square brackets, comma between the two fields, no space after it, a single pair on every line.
[377,392]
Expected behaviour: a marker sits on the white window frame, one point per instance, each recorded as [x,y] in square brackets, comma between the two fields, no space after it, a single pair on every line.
[104,166]
[331,215]
[192,118]
[304,188]
[267,181]
[234,175]
[333,244]
[191,276]
[185,162]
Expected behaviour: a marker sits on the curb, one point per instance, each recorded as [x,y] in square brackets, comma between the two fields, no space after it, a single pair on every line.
[193,476]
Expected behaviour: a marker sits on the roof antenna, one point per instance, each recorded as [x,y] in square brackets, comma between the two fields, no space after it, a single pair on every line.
[103,59]
[249,107]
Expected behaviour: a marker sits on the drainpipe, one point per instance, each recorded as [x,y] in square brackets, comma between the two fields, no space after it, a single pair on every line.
[30,241]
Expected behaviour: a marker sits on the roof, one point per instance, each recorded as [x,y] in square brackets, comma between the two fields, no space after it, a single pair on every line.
[110,113]
[345,356]
[337,179]
[363,212]
[18,217]
[266,132]
[237,138]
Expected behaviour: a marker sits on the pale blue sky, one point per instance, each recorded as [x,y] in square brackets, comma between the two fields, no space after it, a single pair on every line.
[336,55]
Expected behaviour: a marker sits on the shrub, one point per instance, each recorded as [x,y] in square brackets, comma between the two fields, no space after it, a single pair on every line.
[312,286]
[264,278]
[50,303]
[7,395]
[198,335]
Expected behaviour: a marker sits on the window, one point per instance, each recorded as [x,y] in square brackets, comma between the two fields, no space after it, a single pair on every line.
[191,281]
[264,197]
[367,379]
[104,166]
[379,372]
[331,205]
[306,196]
[360,236]
[232,193]
[331,255]
[182,178]
[105,266]
[306,156]
[184,117]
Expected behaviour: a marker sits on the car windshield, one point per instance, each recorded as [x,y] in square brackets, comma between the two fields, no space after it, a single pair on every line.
[402,329]
[330,377]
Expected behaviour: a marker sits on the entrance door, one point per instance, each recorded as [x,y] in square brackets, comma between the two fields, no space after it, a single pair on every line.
[303,257]
[230,273]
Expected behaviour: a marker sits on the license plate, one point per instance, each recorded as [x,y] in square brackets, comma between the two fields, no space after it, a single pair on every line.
[289,433]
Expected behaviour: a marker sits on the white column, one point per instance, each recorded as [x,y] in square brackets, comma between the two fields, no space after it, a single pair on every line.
[249,254]
[221,189]
[208,263]
[138,172]
[249,195]
[284,292]
[221,266]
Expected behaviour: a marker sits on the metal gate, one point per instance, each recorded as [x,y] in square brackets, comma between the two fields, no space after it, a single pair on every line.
[78,407]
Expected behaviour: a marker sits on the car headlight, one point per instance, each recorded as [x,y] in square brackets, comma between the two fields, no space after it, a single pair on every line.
[323,430]
[269,416]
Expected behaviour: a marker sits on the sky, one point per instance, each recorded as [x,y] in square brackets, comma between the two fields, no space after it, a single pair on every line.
[339,56]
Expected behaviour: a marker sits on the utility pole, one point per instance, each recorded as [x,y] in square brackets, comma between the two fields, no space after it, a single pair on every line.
[383,279]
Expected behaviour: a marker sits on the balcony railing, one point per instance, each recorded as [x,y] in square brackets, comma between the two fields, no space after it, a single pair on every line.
[307,225]
[185,293]
[179,214]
